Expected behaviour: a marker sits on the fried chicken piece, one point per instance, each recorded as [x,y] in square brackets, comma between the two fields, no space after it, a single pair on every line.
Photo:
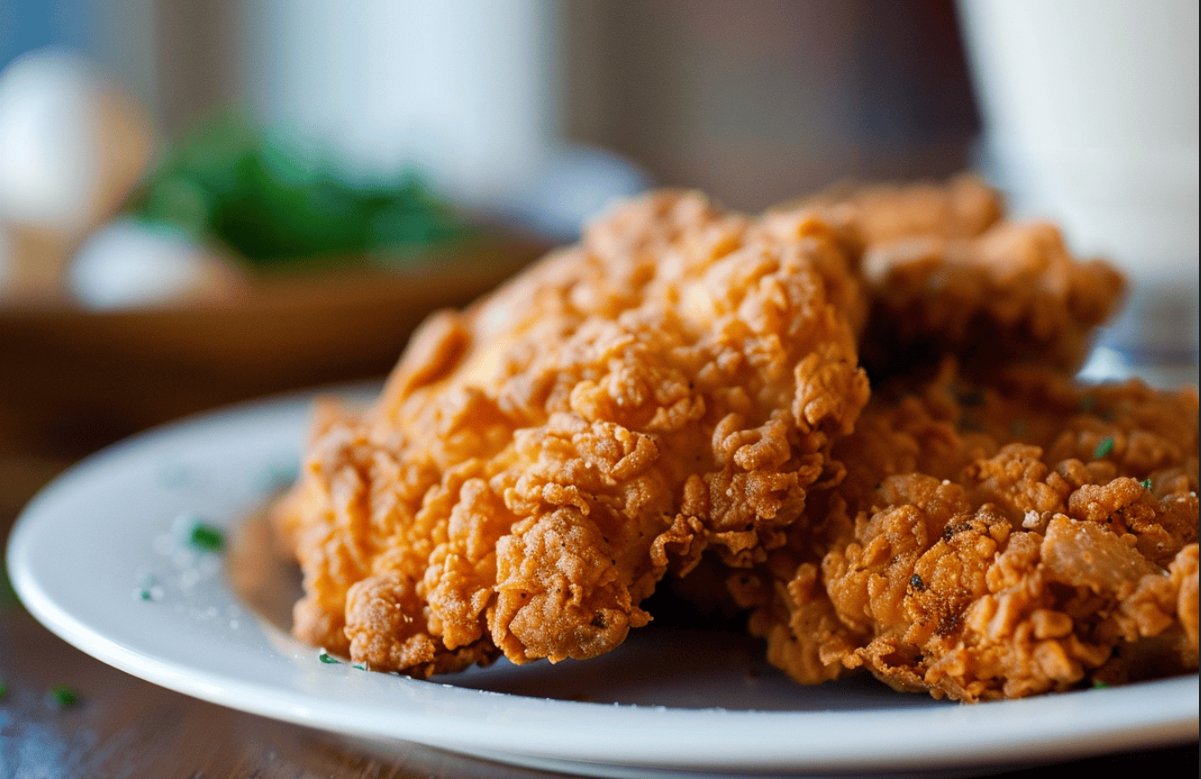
[946,273]
[996,539]
[537,463]
[882,214]
[685,383]
[1014,293]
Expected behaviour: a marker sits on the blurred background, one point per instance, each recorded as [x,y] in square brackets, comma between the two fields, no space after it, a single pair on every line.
[207,202]
[203,202]
[530,112]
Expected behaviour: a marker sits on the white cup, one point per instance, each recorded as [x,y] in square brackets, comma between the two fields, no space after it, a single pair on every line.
[1090,110]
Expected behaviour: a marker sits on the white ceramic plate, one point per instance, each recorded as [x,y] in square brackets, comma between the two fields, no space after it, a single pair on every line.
[98,558]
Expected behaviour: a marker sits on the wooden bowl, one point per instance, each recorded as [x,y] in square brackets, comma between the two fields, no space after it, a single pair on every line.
[77,380]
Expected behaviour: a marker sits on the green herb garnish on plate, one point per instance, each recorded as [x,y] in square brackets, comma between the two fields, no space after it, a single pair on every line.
[206,537]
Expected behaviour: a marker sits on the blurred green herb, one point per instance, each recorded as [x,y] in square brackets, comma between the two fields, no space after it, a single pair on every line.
[275,197]
[63,696]
[148,588]
[1103,448]
[206,538]
[1146,484]
[3,689]
[328,658]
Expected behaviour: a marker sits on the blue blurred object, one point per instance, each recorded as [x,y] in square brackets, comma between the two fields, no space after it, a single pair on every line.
[26,25]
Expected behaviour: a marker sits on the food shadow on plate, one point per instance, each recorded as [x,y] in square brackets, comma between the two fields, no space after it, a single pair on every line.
[675,665]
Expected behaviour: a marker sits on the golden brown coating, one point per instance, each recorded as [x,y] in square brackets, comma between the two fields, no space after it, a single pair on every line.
[957,560]
[946,273]
[881,214]
[537,463]
[1012,293]
[685,383]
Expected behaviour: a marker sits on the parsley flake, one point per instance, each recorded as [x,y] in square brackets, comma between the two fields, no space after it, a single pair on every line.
[1103,448]
[360,666]
[63,696]
[148,589]
[1146,484]
[1100,685]
[206,537]
[3,688]
[327,658]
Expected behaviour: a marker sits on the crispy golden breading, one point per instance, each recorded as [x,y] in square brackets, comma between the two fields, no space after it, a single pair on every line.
[880,214]
[536,464]
[1011,293]
[996,540]
[688,387]
[945,273]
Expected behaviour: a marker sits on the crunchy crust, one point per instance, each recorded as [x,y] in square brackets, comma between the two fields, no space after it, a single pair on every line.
[537,463]
[945,272]
[957,560]
[685,386]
